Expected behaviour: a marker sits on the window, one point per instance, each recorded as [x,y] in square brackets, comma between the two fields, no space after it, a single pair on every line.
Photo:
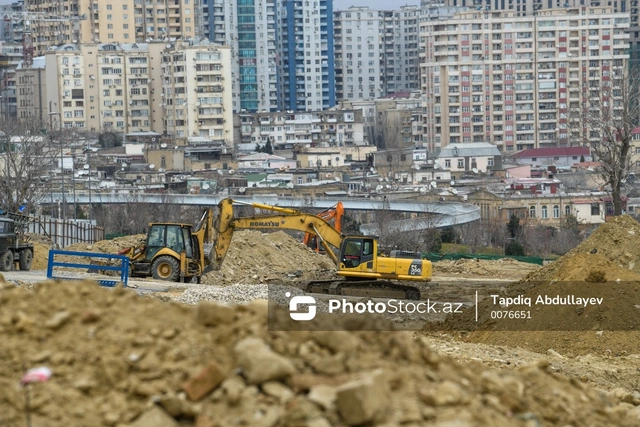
[447,164]
[460,163]
[556,211]
[544,212]
[595,209]
[532,211]
[567,210]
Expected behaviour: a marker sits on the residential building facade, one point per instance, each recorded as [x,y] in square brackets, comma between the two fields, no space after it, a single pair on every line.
[559,156]
[129,21]
[478,157]
[196,95]
[30,92]
[305,55]
[329,128]
[249,28]
[511,81]
[10,57]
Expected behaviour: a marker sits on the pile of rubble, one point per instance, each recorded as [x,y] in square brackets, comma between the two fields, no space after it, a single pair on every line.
[256,257]
[121,360]
[602,266]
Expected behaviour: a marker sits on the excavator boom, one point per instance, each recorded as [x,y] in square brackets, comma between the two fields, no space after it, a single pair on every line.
[356,257]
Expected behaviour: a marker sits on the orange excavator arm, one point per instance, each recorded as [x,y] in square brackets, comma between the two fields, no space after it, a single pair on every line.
[334,213]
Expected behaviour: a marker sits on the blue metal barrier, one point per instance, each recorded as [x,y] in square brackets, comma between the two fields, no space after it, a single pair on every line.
[123,268]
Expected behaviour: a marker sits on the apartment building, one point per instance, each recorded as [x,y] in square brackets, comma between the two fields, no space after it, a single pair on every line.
[529,7]
[10,57]
[511,81]
[329,128]
[196,93]
[106,86]
[128,21]
[11,30]
[376,51]
[30,93]
[249,28]
[306,69]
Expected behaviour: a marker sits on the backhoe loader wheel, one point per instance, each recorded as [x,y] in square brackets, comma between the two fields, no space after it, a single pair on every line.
[26,257]
[6,261]
[166,268]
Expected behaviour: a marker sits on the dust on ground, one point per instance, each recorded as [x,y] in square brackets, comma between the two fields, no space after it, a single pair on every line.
[256,257]
[118,359]
[609,254]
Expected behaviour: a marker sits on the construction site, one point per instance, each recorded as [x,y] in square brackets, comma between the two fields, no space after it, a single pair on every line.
[204,352]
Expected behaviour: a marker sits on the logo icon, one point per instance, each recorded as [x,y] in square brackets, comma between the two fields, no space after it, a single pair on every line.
[300,300]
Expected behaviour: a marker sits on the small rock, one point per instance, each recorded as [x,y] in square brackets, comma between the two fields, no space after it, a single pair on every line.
[278,390]
[323,395]
[233,387]
[171,404]
[579,310]
[336,341]
[90,316]
[58,320]
[204,382]
[204,420]
[599,333]
[84,384]
[360,401]
[634,414]
[212,314]
[318,422]
[554,353]
[154,417]
[259,363]
[446,393]
[41,357]
[622,395]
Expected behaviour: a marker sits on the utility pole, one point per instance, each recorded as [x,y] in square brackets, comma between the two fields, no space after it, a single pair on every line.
[64,206]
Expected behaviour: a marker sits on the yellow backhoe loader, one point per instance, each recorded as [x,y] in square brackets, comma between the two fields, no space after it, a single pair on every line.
[174,251]
[356,257]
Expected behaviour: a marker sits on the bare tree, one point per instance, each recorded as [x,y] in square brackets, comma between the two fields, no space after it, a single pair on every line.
[28,152]
[606,122]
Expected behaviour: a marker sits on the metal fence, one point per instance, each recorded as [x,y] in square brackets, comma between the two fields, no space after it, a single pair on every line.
[65,232]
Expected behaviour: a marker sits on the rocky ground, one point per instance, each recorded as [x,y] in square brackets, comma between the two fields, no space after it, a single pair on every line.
[180,359]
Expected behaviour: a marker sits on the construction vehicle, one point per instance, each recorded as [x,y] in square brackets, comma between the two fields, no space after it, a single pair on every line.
[173,251]
[334,213]
[13,247]
[362,269]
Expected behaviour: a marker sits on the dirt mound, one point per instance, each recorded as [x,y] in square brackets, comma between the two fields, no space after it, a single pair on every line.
[118,359]
[607,256]
[617,241]
[506,268]
[40,256]
[112,246]
[256,257]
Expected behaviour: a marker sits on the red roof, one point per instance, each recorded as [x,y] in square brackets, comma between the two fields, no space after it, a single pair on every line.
[553,152]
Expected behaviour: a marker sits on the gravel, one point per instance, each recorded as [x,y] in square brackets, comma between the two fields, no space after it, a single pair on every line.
[243,294]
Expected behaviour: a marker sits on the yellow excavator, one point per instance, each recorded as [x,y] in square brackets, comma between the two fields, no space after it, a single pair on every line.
[173,251]
[356,257]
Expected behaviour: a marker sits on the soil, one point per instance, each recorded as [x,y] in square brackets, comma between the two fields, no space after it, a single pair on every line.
[256,257]
[608,253]
[119,359]
[506,268]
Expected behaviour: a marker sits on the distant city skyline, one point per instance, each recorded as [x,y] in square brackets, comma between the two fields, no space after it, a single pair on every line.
[373,4]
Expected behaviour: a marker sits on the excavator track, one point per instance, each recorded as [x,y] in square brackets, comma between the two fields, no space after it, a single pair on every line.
[360,288]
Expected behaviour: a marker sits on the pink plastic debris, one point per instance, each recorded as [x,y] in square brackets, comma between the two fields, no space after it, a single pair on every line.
[36,375]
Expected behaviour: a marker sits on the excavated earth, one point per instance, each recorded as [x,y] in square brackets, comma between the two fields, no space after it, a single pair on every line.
[605,264]
[121,360]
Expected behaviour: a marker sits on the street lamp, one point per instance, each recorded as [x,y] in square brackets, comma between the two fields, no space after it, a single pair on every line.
[64,206]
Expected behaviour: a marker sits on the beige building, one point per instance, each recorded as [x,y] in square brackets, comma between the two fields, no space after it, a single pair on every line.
[196,91]
[332,157]
[106,86]
[126,21]
[512,81]
[31,92]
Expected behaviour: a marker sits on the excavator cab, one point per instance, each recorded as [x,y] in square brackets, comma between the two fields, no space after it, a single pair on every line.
[356,251]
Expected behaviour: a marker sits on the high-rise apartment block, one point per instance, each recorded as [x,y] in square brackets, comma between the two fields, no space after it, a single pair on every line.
[181,89]
[513,81]
[249,27]
[127,21]
[376,51]
[305,54]
[196,95]
[529,7]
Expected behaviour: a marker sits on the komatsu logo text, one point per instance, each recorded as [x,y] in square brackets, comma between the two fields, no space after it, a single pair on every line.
[264,224]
